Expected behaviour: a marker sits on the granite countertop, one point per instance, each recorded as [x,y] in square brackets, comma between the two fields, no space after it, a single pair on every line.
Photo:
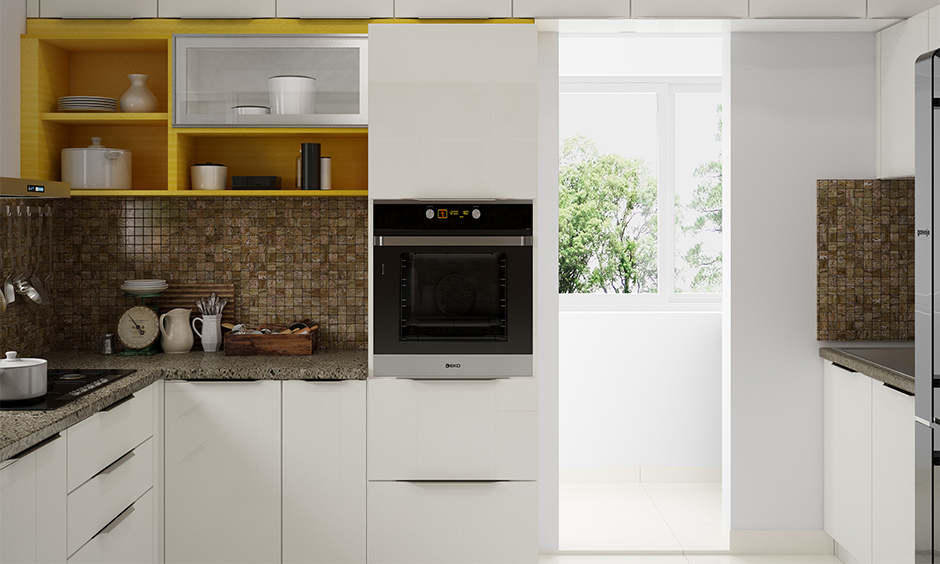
[893,366]
[20,430]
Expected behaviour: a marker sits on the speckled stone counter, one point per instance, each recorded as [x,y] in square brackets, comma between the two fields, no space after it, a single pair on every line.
[892,365]
[20,430]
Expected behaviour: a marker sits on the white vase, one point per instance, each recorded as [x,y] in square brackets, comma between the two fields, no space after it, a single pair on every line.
[138,97]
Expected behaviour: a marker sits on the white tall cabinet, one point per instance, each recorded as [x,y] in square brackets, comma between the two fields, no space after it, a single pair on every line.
[453,111]
[222,472]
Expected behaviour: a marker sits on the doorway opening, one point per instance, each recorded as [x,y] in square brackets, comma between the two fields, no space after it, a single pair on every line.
[640,281]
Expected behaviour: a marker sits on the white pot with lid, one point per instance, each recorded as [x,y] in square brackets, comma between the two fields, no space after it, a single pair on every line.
[97,167]
[22,378]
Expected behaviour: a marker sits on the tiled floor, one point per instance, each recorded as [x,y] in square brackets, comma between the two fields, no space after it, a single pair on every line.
[684,559]
[648,517]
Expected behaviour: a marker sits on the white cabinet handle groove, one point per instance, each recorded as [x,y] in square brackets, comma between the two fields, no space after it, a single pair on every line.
[110,468]
[117,520]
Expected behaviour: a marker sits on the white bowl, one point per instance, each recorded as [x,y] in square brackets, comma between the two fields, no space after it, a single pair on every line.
[143,291]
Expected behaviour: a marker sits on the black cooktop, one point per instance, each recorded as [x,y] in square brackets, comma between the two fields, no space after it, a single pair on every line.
[66,385]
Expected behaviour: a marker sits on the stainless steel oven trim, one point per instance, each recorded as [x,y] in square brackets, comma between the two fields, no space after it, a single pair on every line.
[452,366]
[452,241]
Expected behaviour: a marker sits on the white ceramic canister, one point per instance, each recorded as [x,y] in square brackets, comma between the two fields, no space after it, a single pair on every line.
[97,167]
[209,176]
[22,378]
[292,94]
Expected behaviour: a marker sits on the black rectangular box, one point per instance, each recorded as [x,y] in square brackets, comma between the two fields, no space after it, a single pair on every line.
[256,183]
[310,162]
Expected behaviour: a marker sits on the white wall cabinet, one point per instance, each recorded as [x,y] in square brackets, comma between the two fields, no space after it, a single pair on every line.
[869,467]
[98,9]
[222,471]
[898,48]
[217,9]
[436,522]
[689,8]
[33,505]
[898,8]
[335,8]
[892,475]
[565,8]
[453,111]
[324,472]
[453,8]
[808,9]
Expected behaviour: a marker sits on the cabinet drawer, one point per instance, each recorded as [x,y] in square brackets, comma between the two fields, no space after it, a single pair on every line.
[99,500]
[435,522]
[107,435]
[127,540]
[452,430]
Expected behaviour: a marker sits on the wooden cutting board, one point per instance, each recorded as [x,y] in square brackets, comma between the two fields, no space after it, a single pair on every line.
[186,296]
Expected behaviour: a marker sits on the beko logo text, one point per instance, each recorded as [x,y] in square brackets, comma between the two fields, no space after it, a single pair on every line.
[923,232]
[451,366]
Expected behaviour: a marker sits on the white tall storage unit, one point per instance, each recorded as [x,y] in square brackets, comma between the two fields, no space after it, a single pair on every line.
[222,472]
[453,111]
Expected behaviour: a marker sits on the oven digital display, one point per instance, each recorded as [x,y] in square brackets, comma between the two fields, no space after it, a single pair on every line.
[456,214]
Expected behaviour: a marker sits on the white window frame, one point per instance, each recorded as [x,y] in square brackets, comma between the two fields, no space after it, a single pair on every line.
[665,88]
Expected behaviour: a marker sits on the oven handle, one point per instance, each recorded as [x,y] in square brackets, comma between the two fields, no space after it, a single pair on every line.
[452,241]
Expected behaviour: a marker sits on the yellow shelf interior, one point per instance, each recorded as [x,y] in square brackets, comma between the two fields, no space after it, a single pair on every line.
[105,118]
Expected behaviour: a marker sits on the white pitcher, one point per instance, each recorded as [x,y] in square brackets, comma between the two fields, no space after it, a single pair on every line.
[211,333]
[175,335]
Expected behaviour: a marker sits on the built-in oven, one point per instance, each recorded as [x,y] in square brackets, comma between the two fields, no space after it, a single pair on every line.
[452,289]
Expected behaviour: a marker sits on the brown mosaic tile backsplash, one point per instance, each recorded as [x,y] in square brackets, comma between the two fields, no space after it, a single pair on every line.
[865,260]
[289,258]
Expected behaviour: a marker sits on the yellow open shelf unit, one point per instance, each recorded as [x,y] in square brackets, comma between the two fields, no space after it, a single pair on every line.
[94,57]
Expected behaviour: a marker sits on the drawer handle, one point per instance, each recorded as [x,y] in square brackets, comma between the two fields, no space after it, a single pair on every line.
[119,402]
[117,520]
[435,379]
[452,481]
[35,447]
[110,468]
[846,368]
[897,389]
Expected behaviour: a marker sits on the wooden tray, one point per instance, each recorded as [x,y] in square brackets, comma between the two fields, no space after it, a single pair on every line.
[296,344]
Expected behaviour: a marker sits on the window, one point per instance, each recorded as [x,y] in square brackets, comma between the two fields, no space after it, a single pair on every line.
[640,172]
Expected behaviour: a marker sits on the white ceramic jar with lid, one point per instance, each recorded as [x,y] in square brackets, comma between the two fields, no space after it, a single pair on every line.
[97,167]
[22,378]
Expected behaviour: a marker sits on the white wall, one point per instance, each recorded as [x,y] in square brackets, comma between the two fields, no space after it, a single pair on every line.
[640,388]
[803,108]
[12,24]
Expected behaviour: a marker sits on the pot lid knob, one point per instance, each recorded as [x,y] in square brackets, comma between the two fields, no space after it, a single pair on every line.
[11,356]
[96,143]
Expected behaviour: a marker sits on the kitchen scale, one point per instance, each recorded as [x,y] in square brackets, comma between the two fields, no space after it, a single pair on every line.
[138,328]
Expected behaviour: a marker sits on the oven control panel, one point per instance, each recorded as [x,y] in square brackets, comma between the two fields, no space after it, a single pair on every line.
[512,215]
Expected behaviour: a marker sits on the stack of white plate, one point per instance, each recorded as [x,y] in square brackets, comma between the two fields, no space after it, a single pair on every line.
[87,104]
[144,287]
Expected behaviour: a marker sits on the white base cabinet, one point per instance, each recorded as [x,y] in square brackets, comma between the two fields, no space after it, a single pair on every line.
[222,472]
[868,467]
[324,472]
[125,540]
[33,505]
[454,522]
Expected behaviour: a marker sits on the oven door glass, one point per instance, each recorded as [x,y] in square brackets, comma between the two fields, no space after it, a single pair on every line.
[453,297]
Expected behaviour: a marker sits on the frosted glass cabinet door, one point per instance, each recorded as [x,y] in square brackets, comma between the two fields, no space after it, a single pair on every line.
[294,80]
[98,9]
[453,111]
[324,472]
[222,476]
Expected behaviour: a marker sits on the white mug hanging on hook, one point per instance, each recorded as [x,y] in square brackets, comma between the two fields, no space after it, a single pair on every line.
[138,97]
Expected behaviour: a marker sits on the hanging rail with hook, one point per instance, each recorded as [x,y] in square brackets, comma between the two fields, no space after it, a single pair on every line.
[20,211]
